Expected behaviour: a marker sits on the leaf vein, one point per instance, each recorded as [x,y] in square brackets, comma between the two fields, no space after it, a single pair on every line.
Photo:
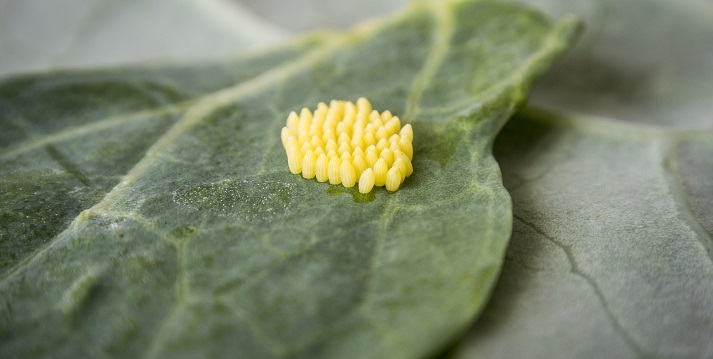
[683,202]
[443,32]
[211,103]
[576,270]
[92,127]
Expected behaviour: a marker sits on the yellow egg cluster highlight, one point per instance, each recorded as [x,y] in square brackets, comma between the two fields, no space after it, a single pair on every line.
[348,143]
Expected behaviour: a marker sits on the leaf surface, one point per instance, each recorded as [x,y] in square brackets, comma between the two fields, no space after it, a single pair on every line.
[68,138]
[611,252]
[200,243]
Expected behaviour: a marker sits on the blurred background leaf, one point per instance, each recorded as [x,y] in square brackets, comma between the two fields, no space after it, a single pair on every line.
[36,35]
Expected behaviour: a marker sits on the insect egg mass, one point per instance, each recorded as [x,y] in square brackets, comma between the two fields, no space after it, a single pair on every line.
[346,143]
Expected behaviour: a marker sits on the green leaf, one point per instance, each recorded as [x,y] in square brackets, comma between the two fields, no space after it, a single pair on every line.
[68,138]
[200,243]
[39,35]
[611,252]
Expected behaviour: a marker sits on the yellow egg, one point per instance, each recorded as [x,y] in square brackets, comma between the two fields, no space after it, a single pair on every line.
[366,181]
[393,179]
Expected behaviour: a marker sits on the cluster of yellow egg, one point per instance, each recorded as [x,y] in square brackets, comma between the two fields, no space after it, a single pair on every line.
[348,143]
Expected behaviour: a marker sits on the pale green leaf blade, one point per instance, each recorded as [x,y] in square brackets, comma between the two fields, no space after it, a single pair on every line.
[611,248]
[604,246]
[209,247]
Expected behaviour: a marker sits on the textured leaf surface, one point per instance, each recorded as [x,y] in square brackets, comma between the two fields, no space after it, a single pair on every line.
[68,138]
[39,35]
[611,248]
[199,243]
